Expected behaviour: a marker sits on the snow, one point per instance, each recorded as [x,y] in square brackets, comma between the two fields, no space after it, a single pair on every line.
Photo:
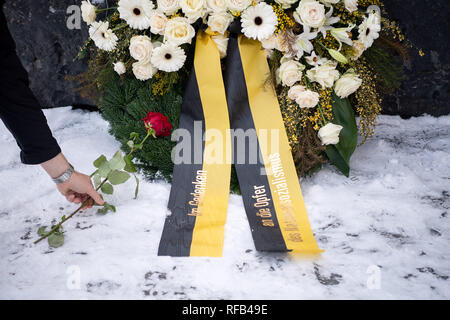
[385,229]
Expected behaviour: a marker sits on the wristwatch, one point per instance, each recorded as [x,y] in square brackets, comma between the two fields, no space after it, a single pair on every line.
[65,176]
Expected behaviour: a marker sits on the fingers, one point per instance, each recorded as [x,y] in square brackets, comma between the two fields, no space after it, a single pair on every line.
[70,196]
[95,196]
[87,201]
[75,197]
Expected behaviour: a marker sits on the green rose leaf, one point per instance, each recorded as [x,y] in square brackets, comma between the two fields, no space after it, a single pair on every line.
[340,153]
[118,177]
[102,211]
[97,180]
[104,169]
[56,239]
[110,207]
[117,162]
[107,188]
[129,167]
[42,231]
[106,208]
[100,160]
[134,135]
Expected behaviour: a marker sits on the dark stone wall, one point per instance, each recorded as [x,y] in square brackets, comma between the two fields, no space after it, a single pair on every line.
[426,87]
[47,49]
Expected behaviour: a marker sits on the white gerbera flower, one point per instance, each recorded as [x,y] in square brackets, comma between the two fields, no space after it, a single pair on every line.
[102,36]
[168,58]
[136,13]
[259,22]
[369,29]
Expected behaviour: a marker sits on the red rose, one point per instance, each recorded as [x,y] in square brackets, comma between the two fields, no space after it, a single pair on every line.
[158,122]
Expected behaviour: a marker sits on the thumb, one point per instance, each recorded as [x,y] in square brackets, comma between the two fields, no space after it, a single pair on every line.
[94,195]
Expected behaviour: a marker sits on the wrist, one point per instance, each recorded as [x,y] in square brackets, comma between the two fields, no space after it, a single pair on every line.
[56,166]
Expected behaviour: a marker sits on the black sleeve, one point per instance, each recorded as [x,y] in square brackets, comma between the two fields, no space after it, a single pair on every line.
[19,108]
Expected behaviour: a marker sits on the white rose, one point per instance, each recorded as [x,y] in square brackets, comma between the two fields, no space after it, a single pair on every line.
[273,42]
[329,134]
[307,99]
[219,21]
[351,5]
[330,1]
[310,13]
[290,72]
[169,7]
[325,74]
[347,84]
[286,4]
[221,42]
[88,12]
[158,23]
[294,91]
[141,48]
[178,31]
[193,9]
[144,70]
[216,5]
[238,5]
[119,67]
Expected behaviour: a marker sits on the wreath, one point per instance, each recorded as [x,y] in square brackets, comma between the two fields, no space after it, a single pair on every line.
[330,62]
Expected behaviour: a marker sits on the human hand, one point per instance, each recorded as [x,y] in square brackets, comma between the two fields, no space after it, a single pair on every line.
[79,189]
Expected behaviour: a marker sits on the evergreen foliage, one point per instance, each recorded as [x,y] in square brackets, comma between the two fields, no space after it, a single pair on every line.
[125,102]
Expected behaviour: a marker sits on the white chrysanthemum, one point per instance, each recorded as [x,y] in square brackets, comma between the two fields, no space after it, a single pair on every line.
[259,22]
[369,29]
[102,36]
[136,13]
[168,58]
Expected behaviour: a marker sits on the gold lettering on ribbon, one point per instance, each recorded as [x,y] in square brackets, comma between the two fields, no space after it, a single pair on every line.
[199,191]
[262,202]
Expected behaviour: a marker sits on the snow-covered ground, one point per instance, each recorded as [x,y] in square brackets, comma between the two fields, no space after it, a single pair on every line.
[386,229]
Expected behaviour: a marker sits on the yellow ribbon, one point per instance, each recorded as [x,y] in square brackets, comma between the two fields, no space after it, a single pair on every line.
[291,213]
